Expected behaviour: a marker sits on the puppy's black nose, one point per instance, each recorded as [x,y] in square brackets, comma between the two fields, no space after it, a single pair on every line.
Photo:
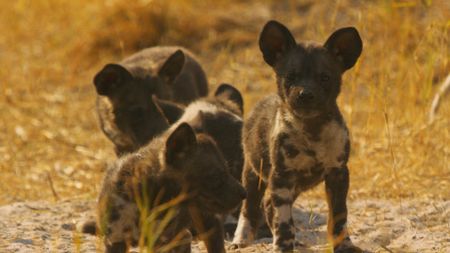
[305,95]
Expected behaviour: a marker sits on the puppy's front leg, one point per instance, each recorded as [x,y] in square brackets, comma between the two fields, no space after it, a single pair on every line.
[117,247]
[336,185]
[210,230]
[278,202]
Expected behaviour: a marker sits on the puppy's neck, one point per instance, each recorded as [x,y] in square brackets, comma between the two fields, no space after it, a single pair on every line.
[332,112]
[309,125]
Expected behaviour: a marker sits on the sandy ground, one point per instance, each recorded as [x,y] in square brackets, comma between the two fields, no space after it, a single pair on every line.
[376,226]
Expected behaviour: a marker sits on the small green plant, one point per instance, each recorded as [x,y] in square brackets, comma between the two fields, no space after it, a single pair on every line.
[155,221]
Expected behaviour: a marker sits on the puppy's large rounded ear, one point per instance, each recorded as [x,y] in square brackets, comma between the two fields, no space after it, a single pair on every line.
[346,45]
[274,41]
[180,144]
[172,66]
[230,93]
[110,78]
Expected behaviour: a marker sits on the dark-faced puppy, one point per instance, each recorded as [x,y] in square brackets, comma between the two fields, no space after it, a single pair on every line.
[131,127]
[220,116]
[297,138]
[177,162]
[127,115]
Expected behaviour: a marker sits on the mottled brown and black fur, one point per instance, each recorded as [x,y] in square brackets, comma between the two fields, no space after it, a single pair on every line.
[127,115]
[220,116]
[297,138]
[179,161]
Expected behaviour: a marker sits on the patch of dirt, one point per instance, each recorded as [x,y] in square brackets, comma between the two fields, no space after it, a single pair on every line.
[375,225]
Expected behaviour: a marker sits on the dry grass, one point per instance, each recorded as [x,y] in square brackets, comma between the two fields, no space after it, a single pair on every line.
[50,143]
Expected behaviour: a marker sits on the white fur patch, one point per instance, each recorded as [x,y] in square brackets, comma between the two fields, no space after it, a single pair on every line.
[281,118]
[193,110]
[278,125]
[328,149]
[331,145]
[296,138]
[284,193]
[282,214]
[243,235]
[230,219]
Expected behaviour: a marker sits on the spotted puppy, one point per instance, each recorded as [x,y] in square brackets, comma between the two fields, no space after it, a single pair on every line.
[220,116]
[127,115]
[297,138]
[177,162]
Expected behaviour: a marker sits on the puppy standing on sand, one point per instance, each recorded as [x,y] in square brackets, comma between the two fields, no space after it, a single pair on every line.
[176,162]
[208,173]
[297,138]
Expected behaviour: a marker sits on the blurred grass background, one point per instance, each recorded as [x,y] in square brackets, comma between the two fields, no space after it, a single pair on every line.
[51,146]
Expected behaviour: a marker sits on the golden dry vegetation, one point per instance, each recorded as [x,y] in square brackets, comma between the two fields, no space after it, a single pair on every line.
[51,146]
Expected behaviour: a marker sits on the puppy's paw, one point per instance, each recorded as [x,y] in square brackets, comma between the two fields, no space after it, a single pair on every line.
[236,246]
[347,247]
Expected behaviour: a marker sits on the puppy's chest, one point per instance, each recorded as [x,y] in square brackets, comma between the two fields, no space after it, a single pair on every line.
[295,149]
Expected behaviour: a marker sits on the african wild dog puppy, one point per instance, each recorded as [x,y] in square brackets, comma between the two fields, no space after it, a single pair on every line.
[178,161]
[220,116]
[127,115]
[297,138]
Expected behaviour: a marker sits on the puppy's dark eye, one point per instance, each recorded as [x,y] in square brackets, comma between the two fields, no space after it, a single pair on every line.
[324,77]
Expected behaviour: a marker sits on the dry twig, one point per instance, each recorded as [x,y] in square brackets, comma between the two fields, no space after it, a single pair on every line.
[443,91]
